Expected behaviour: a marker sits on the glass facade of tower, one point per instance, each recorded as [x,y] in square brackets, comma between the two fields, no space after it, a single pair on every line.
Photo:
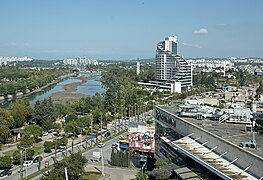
[174,47]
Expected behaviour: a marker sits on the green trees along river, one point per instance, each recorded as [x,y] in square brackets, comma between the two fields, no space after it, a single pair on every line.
[13,80]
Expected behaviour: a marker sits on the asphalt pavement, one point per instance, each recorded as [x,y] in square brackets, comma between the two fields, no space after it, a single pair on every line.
[60,155]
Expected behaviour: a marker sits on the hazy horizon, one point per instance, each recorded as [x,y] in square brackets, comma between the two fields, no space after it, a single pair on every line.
[120,30]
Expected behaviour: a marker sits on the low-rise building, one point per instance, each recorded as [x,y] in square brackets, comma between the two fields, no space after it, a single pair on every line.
[141,137]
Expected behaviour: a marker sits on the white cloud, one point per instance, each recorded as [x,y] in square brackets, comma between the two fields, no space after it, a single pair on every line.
[201,31]
[186,44]
[192,45]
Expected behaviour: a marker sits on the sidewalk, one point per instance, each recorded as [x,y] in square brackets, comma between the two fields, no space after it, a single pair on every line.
[113,172]
[8,147]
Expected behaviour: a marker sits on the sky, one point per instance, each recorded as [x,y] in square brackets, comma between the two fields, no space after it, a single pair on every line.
[122,29]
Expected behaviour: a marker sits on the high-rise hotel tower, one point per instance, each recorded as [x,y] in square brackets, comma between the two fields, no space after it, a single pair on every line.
[170,66]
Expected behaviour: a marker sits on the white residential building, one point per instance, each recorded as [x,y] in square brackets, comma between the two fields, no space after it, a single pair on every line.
[170,66]
[6,60]
[80,61]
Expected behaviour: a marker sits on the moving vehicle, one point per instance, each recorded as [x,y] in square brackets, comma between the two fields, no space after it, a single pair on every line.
[101,145]
[28,163]
[5,172]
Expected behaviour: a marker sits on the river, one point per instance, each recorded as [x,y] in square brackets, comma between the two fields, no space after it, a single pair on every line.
[90,88]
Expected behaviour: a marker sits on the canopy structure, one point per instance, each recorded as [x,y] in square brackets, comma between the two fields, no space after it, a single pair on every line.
[206,157]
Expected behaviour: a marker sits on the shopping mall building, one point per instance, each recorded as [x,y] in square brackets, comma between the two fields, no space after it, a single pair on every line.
[206,145]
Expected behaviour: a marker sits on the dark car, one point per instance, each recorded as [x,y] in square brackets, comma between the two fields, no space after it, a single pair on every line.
[37,159]
[107,133]
[5,172]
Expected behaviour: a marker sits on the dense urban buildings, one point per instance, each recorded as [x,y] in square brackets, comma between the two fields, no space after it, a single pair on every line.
[80,61]
[6,60]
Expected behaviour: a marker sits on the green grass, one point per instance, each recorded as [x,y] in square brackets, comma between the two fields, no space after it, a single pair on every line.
[90,176]
[38,150]
[9,153]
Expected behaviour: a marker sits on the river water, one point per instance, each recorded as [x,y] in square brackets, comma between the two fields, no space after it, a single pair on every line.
[90,88]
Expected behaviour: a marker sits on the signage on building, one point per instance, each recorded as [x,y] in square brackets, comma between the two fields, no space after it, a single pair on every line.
[159,116]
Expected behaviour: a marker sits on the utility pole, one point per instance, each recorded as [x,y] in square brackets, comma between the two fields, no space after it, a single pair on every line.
[135,113]
[125,119]
[21,165]
[91,129]
[66,146]
[129,115]
[122,117]
[146,112]
[138,113]
[66,173]
[101,128]
[56,148]
[115,131]
[91,124]
[102,162]
[25,161]
[81,139]
[72,145]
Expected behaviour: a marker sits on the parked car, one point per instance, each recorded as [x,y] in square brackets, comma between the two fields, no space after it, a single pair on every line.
[28,163]
[45,133]
[101,145]
[37,159]
[56,134]
[61,147]
[114,146]
[5,172]
[106,134]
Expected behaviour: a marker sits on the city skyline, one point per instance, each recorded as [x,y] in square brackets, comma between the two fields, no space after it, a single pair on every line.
[119,30]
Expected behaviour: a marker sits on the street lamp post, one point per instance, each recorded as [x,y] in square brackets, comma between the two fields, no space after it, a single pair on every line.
[21,170]
[101,128]
[138,113]
[102,162]
[135,113]
[21,164]
[81,139]
[91,124]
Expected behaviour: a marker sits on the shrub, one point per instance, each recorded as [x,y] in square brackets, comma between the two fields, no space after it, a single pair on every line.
[48,145]
[5,162]
[16,157]
[140,176]
[161,174]
[159,163]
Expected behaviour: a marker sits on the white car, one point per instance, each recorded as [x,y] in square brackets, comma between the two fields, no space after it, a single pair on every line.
[27,163]
[101,145]
[45,134]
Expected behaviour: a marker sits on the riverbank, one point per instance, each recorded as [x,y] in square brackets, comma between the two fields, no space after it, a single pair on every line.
[15,97]
[68,94]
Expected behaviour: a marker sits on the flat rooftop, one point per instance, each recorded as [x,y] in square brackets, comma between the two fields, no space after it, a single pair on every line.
[234,133]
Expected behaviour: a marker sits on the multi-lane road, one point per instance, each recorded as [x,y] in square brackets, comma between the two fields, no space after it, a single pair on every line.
[119,124]
[60,155]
